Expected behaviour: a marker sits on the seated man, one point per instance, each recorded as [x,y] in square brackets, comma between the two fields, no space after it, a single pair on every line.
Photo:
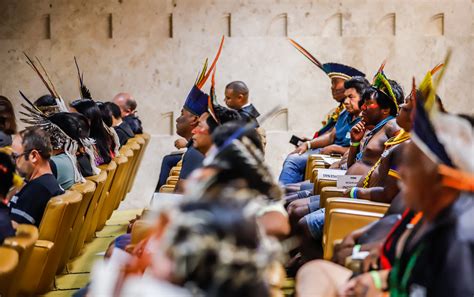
[295,164]
[32,151]
[429,252]
[237,97]
[306,212]
[123,129]
[128,106]
[335,140]
[202,140]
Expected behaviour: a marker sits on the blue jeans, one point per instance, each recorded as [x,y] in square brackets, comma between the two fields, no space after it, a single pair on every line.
[294,167]
[315,222]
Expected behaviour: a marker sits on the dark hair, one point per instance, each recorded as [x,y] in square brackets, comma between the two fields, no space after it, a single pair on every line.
[104,141]
[359,83]
[223,132]
[224,115]
[383,98]
[238,87]
[224,220]
[34,138]
[75,125]
[419,95]
[114,109]
[7,168]
[105,113]
[7,116]
[45,100]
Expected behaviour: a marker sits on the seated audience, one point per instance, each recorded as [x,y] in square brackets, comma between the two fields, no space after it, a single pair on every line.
[7,171]
[123,129]
[105,143]
[32,151]
[237,98]
[128,106]
[7,122]
[295,163]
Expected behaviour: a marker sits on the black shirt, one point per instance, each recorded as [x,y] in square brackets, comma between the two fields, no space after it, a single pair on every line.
[28,205]
[134,123]
[445,263]
[6,228]
[124,132]
[249,113]
[192,159]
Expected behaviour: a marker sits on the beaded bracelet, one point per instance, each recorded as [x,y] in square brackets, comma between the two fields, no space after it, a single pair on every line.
[377,279]
[353,192]
[355,144]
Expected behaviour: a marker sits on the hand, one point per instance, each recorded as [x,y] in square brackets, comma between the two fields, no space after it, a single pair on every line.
[327,150]
[301,149]
[360,286]
[180,143]
[305,139]
[371,261]
[357,132]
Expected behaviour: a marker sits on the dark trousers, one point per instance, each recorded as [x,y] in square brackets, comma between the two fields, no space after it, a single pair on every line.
[169,161]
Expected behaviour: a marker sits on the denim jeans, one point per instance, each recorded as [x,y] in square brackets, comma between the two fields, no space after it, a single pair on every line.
[315,222]
[294,167]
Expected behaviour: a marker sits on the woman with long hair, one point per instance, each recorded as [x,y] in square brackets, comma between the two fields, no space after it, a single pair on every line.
[105,143]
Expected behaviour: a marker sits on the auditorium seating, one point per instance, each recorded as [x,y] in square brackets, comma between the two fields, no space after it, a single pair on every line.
[70,220]
[172,179]
[23,242]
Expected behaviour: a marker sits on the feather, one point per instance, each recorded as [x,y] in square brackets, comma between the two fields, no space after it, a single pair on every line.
[33,66]
[30,103]
[306,54]
[382,66]
[83,90]
[203,81]
[201,73]
[56,94]
[436,68]
[212,101]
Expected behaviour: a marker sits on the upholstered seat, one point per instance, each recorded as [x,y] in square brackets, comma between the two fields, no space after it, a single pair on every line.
[136,149]
[87,190]
[38,276]
[23,242]
[340,222]
[9,260]
[100,215]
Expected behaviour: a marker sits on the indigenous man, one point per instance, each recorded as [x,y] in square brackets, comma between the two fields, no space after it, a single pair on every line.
[295,163]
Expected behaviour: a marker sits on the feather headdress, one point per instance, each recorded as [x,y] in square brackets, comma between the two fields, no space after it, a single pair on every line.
[59,138]
[83,90]
[445,138]
[45,78]
[197,101]
[333,70]
[381,83]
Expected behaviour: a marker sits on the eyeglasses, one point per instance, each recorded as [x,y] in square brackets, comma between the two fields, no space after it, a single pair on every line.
[16,156]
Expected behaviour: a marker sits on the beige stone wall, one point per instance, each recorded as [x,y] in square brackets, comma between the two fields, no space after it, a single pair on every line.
[154,50]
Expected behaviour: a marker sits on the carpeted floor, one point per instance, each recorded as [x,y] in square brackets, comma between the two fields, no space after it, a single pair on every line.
[77,273]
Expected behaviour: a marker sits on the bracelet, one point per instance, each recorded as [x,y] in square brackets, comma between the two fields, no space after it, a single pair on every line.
[355,144]
[377,279]
[353,192]
[356,249]
[308,144]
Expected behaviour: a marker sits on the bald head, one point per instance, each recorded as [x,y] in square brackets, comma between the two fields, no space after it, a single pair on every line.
[126,103]
[236,94]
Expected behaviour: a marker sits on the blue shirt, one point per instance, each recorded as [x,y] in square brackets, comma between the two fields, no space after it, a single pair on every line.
[343,128]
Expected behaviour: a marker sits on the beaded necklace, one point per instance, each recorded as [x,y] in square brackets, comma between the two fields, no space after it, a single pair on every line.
[392,142]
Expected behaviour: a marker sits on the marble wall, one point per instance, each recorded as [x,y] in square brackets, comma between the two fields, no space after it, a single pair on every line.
[154,49]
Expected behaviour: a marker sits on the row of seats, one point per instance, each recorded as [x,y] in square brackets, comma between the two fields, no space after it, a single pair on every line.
[70,220]
[343,215]
[172,179]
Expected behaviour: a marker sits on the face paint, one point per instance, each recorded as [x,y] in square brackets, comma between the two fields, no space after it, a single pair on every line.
[200,131]
[370,106]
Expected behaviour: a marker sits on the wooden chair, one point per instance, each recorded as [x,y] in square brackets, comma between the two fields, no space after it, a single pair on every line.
[23,242]
[136,149]
[141,141]
[99,217]
[9,261]
[38,276]
[87,190]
